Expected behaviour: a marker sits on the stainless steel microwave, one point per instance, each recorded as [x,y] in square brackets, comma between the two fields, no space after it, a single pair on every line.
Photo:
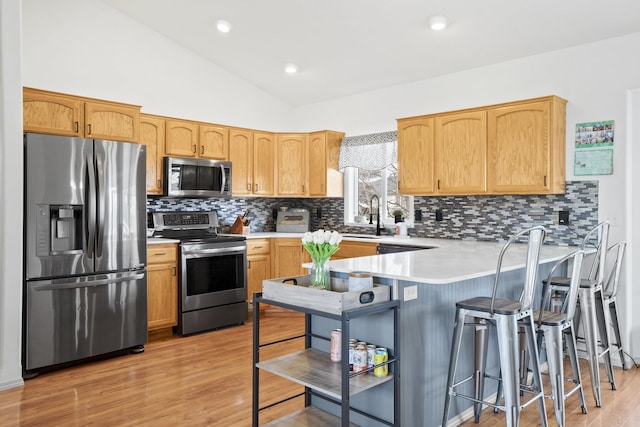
[196,178]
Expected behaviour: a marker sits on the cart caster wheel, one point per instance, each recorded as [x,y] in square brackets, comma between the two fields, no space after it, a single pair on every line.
[137,350]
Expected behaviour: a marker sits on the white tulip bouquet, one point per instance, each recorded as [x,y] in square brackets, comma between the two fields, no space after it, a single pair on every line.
[321,245]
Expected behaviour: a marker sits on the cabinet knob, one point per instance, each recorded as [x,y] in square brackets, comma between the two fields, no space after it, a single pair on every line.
[202,150]
[159,183]
[248,264]
[89,129]
[77,127]
[175,271]
[249,187]
[195,150]
[256,188]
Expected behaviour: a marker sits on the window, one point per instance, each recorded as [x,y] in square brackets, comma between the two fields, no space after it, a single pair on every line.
[361,185]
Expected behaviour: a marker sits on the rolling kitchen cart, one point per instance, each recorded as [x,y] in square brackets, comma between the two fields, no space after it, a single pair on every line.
[312,368]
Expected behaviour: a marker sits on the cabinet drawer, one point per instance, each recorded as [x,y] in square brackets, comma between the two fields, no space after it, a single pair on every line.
[162,253]
[356,249]
[257,246]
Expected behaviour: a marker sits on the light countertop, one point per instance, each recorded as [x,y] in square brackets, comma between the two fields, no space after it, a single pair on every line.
[452,261]
[157,241]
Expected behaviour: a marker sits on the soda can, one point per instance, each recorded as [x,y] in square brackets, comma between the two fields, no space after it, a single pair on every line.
[381,355]
[352,352]
[360,358]
[336,345]
[371,349]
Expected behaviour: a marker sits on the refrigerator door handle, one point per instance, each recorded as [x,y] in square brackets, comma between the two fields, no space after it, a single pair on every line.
[100,201]
[90,217]
[55,285]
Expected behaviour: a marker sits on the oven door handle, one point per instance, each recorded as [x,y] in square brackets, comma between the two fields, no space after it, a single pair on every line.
[187,251]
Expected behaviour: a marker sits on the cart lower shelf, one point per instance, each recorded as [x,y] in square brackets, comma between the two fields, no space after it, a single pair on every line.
[313,368]
[308,417]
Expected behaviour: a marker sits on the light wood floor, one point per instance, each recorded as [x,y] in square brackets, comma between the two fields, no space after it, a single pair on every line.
[206,380]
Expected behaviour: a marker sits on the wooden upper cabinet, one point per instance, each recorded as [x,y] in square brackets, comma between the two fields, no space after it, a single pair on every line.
[461,153]
[61,114]
[181,138]
[152,134]
[105,120]
[526,147]
[263,163]
[241,157]
[291,161]
[213,142]
[52,113]
[416,155]
[325,180]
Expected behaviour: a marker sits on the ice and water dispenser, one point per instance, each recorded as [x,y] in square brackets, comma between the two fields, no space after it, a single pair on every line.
[59,229]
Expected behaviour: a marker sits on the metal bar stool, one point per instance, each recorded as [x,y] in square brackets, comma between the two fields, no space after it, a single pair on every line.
[555,328]
[609,291]
[590,304]
[507,316]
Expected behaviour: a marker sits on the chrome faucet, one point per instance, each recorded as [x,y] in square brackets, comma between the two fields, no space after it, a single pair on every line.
[378,228]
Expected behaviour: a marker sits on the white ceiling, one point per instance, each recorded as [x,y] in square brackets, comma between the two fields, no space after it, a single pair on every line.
[346,47]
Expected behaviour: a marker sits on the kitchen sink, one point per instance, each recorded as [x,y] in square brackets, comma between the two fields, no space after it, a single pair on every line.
[363,236]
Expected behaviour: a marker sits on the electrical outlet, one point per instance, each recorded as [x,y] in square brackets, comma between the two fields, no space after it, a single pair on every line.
[417,215]
[563,217]
[439,215]
[410,292]
[319,213]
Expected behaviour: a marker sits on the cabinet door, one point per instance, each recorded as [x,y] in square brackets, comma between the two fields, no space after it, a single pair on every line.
[350,249]
[263,163]
[117,122]
[162,296]
[152,135]
[259,269]
[317,164]
[214,142]
[241,157]
[292,164]
[52,114]
[461,153]
[181,138]
[287,257]
[416,156]
[519,148]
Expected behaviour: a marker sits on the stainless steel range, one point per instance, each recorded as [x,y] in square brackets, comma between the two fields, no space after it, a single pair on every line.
[213,271]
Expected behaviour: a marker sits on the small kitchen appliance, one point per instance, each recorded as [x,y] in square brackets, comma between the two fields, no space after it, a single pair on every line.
[292,221]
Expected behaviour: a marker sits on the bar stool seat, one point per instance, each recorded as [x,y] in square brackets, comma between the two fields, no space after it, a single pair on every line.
[555,328]
[590,310]
[508,317]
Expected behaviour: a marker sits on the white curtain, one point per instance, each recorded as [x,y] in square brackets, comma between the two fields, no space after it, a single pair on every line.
[372,152]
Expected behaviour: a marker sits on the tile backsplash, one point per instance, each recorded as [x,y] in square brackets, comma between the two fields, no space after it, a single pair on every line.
[491,218]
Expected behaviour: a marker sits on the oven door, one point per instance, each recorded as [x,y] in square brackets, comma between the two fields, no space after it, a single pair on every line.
[213,274]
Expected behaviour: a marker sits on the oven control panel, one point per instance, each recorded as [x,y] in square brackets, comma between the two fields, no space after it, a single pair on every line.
[185,219]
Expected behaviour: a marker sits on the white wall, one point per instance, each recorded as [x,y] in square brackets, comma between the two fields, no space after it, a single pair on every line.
[10,195]
[85,47]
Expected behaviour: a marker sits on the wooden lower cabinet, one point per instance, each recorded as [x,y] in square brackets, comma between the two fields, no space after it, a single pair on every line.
[349,249]
[162,286]
[258,265]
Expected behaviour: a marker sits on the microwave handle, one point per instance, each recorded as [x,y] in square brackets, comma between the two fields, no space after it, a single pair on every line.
[224,179]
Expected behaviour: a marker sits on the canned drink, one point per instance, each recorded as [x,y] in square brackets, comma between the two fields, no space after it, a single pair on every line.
[352,352]
[381,355]
[336,345]
[360,358]
[371,349]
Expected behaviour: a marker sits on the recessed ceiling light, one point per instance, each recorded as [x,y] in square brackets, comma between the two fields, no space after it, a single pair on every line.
[438,23]
[223,26]
[291,68]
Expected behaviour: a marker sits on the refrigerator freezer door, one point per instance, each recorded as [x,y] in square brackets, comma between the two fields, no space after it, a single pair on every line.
[121,230]
[72,319]
[59,173]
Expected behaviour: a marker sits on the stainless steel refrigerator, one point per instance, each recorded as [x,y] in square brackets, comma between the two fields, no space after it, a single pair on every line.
[85,290]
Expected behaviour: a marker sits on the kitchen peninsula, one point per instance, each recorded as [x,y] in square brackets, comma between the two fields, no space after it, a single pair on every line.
[428,283]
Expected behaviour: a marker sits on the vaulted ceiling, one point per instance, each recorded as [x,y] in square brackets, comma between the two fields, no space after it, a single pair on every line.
[346,47]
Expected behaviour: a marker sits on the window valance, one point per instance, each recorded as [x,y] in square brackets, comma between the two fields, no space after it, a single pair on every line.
[372,152]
